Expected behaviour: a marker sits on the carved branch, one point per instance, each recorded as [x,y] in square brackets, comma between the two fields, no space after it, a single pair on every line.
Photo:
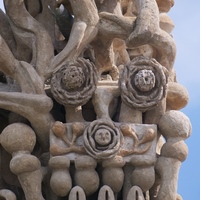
[113,25]
[56,150]
[26,104]
[147,22]
[22,72]
[6,32]
[7,61]
[166,47]
[83,32]
[42,44]
[147,31]
[30,106]
[140,146]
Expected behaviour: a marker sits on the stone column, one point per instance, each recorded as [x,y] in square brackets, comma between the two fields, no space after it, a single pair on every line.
[19,140]
[175,127]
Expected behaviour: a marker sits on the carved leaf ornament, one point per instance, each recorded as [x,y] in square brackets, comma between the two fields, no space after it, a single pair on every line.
[143,83]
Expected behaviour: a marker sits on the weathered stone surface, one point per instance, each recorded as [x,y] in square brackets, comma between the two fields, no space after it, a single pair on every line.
[87,93]
[112,174]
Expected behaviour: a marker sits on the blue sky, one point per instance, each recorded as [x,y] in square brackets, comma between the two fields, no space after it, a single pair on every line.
[186,16]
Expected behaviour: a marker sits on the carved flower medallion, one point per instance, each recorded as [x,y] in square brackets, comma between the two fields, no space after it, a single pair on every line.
[73,84]
[143,83]
[102,139]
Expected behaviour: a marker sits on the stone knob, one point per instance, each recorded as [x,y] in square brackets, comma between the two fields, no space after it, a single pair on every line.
[18,137]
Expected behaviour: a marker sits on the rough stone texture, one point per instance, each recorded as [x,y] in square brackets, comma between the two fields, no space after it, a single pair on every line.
[87,93]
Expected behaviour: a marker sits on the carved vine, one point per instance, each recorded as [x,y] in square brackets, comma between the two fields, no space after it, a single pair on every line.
[60,132]
[140,145]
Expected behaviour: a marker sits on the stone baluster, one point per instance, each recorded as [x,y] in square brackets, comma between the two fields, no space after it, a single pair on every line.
[113,174]
[175,127]
[60,181]
[143,176]
[19,140]
[85,175]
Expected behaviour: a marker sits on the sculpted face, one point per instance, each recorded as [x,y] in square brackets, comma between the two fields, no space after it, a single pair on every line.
[102,137]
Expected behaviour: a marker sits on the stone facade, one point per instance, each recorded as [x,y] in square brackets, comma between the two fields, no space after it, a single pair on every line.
[89,102]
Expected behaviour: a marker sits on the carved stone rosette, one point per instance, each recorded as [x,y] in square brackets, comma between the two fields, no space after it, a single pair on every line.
[74,83]
[143,83]
[102,139]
